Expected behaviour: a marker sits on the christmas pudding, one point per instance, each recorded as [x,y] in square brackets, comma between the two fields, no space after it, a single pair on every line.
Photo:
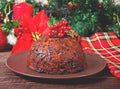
[57,53]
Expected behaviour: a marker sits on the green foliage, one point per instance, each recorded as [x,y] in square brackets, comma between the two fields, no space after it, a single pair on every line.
[8,26]
[6,6]
[52,21]
[89,16]
[86,18]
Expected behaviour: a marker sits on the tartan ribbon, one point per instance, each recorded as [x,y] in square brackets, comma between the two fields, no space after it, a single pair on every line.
[107,46]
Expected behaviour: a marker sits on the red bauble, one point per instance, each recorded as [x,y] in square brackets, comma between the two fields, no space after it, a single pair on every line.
[3,40]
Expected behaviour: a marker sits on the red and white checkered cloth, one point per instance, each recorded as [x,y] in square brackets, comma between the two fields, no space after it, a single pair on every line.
[107,46]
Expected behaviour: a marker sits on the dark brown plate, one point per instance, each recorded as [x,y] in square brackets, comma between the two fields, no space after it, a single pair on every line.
[18,64]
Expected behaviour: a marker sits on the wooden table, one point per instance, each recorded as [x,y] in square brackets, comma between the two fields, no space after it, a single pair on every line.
[11,80]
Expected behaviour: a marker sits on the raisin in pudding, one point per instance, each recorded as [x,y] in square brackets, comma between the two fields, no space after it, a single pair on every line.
[56,55]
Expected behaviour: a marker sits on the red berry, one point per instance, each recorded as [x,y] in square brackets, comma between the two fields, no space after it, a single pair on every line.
[55,31]
[61,30]
[62,27]
[69,27]
[64,22]
[59,24]
[66,31]
[52,31]
[50,34]
[53,26]
[70,6]
[50,28]
[60,34]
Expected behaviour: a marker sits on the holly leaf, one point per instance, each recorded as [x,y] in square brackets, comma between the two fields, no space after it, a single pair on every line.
[52,21]
[15,23]
[49,23]
[8,26]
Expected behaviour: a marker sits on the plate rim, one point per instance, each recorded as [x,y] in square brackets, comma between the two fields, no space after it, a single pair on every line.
[48,76]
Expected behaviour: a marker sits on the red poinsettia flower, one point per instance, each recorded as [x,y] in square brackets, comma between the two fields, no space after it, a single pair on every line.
[35,27]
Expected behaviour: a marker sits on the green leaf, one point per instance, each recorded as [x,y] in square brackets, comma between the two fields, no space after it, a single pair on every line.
[15,23]
[49,23]
[52,21]
[8,26]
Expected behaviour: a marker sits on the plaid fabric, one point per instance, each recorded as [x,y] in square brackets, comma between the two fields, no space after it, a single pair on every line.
[107,46]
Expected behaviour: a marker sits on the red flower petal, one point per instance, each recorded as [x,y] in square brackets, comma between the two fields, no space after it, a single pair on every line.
[39,23]
[43,24]
[23,44]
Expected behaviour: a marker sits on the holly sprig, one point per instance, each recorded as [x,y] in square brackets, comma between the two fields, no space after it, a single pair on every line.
[58,29]
[8,26]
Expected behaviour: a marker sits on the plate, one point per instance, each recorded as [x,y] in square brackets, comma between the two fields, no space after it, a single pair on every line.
[18,64]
